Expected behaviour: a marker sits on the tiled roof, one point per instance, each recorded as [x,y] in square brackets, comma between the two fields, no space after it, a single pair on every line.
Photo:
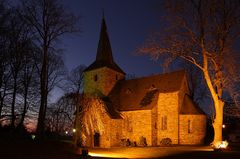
[142,93]
[101,64]
[189,107]
[111,110]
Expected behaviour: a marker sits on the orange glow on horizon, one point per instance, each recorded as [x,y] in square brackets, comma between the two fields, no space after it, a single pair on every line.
[31,125]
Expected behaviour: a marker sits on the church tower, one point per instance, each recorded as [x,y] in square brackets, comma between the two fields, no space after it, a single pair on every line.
[102,75]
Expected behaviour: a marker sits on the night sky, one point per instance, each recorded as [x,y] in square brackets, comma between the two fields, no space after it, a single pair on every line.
[129,22]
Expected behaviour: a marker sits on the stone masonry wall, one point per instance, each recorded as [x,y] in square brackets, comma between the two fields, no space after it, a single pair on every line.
[105,135]
[115,132]
[168,111]
[155,124]
[106,80]
[192,129]
[136,124]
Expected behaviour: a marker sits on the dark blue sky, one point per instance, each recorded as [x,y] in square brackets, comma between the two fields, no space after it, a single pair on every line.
[128,22]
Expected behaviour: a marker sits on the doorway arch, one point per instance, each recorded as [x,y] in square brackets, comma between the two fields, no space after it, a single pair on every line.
[96,139]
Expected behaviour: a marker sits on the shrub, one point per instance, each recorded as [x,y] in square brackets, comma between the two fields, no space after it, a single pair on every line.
[143,141]
[166,141]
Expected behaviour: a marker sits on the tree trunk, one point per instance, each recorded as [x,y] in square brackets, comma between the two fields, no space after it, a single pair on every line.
[24,108]
[218,121]
[2,101]
[43,102]
[13,103]
[40,125]
[218,106]
[1,98]
[218,103]
[1,104]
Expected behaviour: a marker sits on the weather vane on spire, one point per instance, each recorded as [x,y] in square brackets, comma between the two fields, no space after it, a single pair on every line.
[103,15]
[103,4]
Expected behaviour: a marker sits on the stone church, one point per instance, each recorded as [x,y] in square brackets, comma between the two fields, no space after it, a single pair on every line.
[146,111]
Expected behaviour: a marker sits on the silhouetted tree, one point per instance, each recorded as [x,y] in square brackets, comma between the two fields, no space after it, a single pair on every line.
[4,60]
[203,33]
[74,80]
[49,21]
[60,116]
[16,58]
[28,82]
[19,40]
[56,71]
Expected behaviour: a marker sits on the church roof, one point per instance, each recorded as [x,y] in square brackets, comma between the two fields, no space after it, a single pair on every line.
[189,107]
[104,56]
[142,93]
[111,109]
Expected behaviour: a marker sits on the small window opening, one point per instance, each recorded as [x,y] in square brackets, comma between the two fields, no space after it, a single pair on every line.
[95,78]
[164,123]
[116,77]
[189,126]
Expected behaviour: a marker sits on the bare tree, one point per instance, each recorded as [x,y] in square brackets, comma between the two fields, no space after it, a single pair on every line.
[56,71]
[19,40]
[74,80]
[15,62]
[203,33]
[89,118]
[4,59]
[72,85]
[28,82]
[49,21]
[60,115]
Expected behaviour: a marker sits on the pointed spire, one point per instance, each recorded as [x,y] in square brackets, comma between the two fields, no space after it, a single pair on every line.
[104,56]
[104,51]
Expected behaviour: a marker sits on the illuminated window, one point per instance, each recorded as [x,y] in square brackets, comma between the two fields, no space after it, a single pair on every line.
[164,123]
[189,126]
[95,78]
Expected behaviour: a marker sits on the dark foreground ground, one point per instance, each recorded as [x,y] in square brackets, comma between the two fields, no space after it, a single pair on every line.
[29,149]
